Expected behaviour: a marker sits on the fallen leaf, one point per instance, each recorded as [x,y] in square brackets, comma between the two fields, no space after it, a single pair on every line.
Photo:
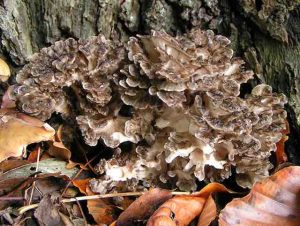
[47,213]
[45,186]
[57,149]
[102,211]
[280,153]
[15,187]
[181,210]
[47,166]
[18,130]
[143,207]
[4,71]
[13,182]
[81,185]
[33,156]
[208,213]
[273,201]
[8,99]
[12,164]
[72,164]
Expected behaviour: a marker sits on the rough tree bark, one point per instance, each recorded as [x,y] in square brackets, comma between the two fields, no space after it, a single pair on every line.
[266,33]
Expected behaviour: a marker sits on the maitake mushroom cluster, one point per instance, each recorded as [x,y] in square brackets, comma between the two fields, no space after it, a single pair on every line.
[174,101]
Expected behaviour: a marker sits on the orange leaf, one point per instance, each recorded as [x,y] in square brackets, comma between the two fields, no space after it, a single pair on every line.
[181,210]
[208,213]
[273,201]
[81,185]
[280,153]
[33,156]
[143,207]
[101,210]
[71,165]
[18,130]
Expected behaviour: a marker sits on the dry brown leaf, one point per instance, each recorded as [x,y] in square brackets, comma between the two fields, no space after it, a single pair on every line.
[181,210]
[34,155]
[15,187]
[280,153]
[273,201]
[81,185]
[47,213]
[57,149]
[18,130]
[143,207]
[101,210]
[7,99]
[12,164]
[208,213]
[4,71]
[71,165]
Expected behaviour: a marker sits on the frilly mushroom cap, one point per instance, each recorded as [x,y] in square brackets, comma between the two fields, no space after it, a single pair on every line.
[187,122]
[72,73]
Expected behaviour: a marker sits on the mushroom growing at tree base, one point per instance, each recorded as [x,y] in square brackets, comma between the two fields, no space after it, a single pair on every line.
[184,118]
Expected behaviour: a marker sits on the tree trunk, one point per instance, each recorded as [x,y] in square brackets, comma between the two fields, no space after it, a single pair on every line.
[265,33]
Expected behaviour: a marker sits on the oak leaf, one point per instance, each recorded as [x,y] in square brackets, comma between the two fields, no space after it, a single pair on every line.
[101,210]
[273,201]
[181,210]
[143,207]
[18,130]
[4,71]
[57,148]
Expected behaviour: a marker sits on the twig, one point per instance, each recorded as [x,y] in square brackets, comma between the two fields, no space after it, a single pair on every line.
[12,198]
[82,198]
[77,174]
[36,170]
[81,211]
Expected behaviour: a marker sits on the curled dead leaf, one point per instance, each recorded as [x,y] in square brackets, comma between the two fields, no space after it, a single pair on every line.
[181,210]
[57,148]
[8,101]
[18,130]
[280,153]
[143,207]
[101,210]
[4,71]
[273,201]
[208,213]
[47,212]
[81,185]
[34,155]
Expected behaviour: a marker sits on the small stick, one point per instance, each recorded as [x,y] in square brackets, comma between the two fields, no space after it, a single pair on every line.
[89,197]
[77,174]
[81,211]
[36,170]
[12,198]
